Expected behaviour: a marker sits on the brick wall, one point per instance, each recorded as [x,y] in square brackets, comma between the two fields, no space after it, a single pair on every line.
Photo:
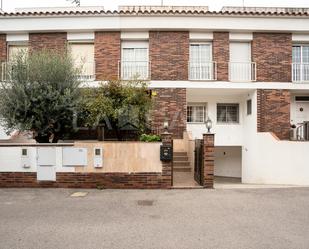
[273,112]
[273,56]
[221,54]
[208,160]
[50,41]
[107,52]
[169,55]
[170,104]
[3,48]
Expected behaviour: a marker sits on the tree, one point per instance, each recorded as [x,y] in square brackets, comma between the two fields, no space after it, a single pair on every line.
[41,94]
[120,105]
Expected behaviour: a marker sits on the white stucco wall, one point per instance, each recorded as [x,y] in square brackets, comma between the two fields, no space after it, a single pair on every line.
[228,161]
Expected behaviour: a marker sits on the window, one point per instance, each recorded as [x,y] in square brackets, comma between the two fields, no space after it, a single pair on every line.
[201,65]
[83,56]
[14,50]
[228,113]
[134,60]
[300,58]
[196,113]
[249,107]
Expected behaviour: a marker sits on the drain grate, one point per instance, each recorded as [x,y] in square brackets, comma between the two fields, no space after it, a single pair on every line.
[145,202]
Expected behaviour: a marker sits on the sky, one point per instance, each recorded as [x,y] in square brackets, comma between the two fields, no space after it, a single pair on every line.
[10,5]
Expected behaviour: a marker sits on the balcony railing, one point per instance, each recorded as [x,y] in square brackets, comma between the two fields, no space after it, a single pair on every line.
[242,71]
[203,71]
[301,133]
[300,72]
[129,70]
[87,71]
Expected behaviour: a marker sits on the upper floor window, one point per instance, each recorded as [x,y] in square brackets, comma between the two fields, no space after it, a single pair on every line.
[240,67]
[300,58]
[134,60]
[228,113]
[83,56]
[196,113]
[201,66]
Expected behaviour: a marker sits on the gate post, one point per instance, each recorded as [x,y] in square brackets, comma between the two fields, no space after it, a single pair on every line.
[209,159]
[167,167]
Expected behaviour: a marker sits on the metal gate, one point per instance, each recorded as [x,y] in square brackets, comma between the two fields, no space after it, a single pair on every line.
[198,161]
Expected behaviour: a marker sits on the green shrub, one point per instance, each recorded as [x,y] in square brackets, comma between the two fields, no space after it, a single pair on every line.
[150,138]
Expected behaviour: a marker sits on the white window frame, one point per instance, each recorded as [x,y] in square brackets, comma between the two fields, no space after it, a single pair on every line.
[204,105]
[16,43]
[134,44]
[228,122]
[301,45]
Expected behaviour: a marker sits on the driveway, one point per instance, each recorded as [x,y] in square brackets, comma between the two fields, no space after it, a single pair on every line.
[193,219]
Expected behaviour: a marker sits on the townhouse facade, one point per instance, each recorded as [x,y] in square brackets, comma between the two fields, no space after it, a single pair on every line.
[244,69]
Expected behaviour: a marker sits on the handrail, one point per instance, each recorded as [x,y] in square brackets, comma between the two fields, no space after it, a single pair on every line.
[300,72]
[128,70]
[242,71]
[203,70]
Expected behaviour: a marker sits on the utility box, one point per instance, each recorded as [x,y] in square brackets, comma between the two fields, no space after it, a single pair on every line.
[72,156]
[46,173]
[166,153]
[98,158]
[46,164]
[25,158]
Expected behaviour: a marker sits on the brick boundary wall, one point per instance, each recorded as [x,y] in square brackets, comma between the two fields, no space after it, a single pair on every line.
[169,55]
[221,54]
[209,159]
[95,180]
[273,112]
[3,48]
[107,53]
[170,104]
[50,41]
[272,53]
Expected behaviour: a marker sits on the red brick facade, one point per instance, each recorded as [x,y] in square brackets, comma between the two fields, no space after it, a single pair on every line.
[273,112]
[50,41]
[208,160]
[107,52]
[170,104]
[221,54]
[169,55]
[3,48]
[272,53]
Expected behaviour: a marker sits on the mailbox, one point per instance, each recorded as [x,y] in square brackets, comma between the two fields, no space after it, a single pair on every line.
[166,153]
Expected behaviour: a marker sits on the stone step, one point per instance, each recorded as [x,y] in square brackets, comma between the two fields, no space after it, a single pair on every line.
[181,163]
[181,169]
[180,158]
[180,153]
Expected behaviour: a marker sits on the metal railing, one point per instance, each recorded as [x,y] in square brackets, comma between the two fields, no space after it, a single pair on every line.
[300,72]
[129,70]
[242,71]
[87,71]
[203,71]
[302,132]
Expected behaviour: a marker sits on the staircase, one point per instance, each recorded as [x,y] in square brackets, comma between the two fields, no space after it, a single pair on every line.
[180,162]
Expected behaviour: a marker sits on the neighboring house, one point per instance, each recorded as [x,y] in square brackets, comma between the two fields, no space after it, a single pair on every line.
[246,69]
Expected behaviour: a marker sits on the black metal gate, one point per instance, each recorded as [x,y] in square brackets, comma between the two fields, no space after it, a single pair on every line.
[199,162]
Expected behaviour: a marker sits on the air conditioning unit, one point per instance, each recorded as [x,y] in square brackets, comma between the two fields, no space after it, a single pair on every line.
[25,158]
[98,158]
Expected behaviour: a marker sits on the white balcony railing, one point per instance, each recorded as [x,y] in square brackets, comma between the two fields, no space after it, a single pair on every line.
[87,71]
[242,71]
[129,70]
[300,72]
[203,71]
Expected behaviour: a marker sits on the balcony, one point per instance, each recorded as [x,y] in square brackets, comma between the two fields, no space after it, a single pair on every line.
[129,70]
[203,71]
[242,71]
[87,71]
[300,72]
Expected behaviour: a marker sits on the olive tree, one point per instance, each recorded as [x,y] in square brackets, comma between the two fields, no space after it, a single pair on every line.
[40,93]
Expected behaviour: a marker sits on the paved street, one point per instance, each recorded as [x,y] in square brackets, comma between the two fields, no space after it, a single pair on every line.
[238,218]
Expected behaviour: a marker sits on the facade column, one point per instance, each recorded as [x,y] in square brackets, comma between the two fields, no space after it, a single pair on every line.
[167,166]
[209,159]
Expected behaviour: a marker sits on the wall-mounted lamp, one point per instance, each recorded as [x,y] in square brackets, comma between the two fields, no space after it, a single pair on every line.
[165,126]
[208,124]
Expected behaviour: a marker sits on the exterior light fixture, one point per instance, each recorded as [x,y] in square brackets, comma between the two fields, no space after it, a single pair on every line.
[208,124]
[165,126]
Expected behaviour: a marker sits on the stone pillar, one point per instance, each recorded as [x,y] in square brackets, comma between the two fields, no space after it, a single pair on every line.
[167,167]
[209,159]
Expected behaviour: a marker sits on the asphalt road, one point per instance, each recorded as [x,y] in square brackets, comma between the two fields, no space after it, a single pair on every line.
[193,219]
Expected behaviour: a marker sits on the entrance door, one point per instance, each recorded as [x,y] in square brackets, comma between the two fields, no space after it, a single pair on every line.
[301,112]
